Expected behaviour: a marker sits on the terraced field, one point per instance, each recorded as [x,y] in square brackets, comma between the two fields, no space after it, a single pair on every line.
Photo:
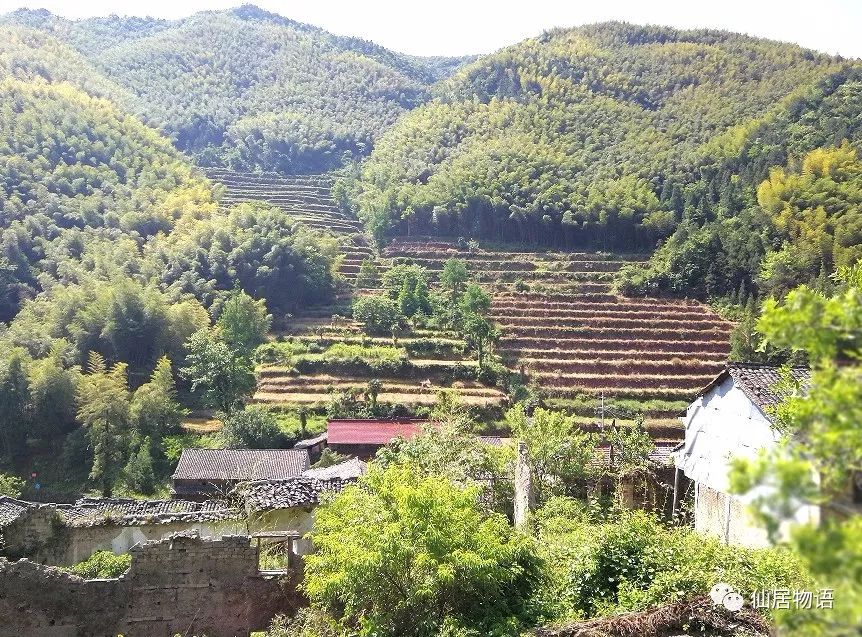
[561,324]
[564,328]
[306,198]
[410,382]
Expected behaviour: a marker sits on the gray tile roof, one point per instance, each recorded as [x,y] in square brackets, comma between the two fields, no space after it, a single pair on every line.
[241,464]
[762,384]
[11,509]
[128,512]
[311,442]
[88,512]
[347,470]
[266,495]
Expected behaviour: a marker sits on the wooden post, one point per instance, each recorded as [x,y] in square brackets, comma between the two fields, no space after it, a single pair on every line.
[673,508]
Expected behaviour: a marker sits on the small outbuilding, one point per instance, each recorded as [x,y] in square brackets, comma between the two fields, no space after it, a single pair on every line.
[363,438]
[206,473]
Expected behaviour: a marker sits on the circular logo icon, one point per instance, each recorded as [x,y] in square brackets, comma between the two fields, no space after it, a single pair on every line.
[733,602]
[719,591]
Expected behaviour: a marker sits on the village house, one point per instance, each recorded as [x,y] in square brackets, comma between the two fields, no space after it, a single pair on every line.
[363,438]
[202,474]
[271,511]
[732,418]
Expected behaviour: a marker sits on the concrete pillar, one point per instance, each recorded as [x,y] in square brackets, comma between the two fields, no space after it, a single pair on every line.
[524,498]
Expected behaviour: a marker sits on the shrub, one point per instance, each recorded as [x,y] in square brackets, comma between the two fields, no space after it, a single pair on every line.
[102,565]
[371,353]
[368,276]
[633,562]
[254,427]
[413,556]
[11,486]
[378,314]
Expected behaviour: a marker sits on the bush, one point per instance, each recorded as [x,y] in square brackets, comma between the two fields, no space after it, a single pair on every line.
[378,314]
[413,556]
[633,562]
[254,427]
[11,486]
[370,353]
[102,565]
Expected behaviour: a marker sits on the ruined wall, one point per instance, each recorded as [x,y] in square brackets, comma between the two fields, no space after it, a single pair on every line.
[183,584]
[38,532]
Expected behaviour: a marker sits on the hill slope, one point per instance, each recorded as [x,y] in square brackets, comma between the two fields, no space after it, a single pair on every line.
[249,88]
[571,138]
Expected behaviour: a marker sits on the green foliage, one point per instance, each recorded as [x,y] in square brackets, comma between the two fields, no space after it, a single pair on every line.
[371,353]
[243,322]
[378,314]
[254,427]
[822,450]
[103,409]
[368,276]
[632,562]
[561,455]
[223,376]
[139,474]
[11,486]
[15,416]
[257,248]
[259,91]
[102,565]
[155,410]
[405,555]
[586,136]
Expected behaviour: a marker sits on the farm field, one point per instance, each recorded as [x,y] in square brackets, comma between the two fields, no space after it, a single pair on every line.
[563,327]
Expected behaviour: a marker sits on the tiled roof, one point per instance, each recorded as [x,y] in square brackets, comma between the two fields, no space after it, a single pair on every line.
[660,455]
[310,442]
[762,384]
[241,464]
[11,509]
[128,512]
[371,432]
[348,470]
[88,512]
[265,495]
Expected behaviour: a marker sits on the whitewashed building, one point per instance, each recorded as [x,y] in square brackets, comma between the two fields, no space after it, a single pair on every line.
[730,419]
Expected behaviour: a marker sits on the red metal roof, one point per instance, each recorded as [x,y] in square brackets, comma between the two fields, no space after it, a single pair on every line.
[371,432]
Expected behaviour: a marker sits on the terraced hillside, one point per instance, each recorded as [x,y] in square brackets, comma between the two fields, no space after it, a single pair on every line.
[330,357]
[563,327]
[306,198]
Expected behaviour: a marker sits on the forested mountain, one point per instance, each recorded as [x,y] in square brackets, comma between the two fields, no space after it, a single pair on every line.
[571,135]
[251,89]
[110,239]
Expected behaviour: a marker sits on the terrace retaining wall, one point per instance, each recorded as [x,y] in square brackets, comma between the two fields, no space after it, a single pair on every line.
[183,584]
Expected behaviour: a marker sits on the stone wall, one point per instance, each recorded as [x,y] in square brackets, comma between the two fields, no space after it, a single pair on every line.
[183,584]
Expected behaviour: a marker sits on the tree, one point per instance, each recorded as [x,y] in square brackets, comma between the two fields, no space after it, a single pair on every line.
[15,406]
[155,410]
[52,390]
[254,427]
[139,473]
[562,456]
[453,278]
[821,454]
[372,390]
[368,276]
[225,377]
[410,556]
[377,313]
[103,409]
[475,301]
[244,322]
[480,333]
